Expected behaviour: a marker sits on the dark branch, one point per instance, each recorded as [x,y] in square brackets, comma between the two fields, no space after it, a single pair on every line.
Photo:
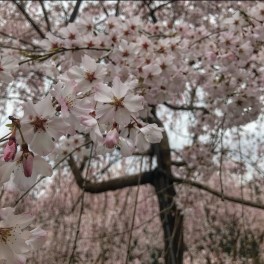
[75,11]
[151,13]
[117,8]
[45,14]
[30,20]
[178,163]
[160,6]
[110,185]
[186,108]
[105,10]
[217,193]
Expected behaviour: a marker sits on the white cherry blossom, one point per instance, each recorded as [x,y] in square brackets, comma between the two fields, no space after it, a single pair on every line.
[88,75]
[148,134]
[15,241]
[40,126]
[118,102]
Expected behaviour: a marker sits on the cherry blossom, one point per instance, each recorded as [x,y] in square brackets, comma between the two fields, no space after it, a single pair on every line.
[118,102]
[39,125]
[88,75]
[150,133]
[15,241]
[24,170]
[89,89]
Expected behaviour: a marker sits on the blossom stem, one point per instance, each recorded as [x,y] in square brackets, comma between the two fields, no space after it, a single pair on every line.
[4,138]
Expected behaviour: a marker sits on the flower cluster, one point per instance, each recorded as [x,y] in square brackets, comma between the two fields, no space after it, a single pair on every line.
[108,80]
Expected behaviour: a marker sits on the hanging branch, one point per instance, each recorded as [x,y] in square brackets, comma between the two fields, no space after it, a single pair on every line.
[117,8]
[208,189]
[187,108]
[45,14]
[30,20]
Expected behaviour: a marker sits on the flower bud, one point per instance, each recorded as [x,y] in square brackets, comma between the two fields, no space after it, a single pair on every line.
[28,163]
[10,149]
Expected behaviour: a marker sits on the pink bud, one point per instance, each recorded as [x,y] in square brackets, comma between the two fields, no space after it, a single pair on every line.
[28,163]
[111,138]
[10,149]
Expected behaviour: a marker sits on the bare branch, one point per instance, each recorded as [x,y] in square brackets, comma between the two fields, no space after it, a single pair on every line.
[217,193]
[75,11]
[178,163]
[117,8]
[152,11]
[110,185]
[45,14]
[105,10]
[30,20]
[186,108]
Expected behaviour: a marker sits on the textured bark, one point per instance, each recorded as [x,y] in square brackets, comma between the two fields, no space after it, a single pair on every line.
[171,217]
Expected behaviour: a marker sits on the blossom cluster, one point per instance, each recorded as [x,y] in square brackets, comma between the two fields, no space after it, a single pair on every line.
[110,77]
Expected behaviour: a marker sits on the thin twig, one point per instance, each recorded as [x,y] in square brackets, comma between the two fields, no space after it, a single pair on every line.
[43,57]
[134,212]
[45,14]
[81,210]
[221,158]
[75,11]
[207,36]
[117,8]
[34,25]
[105,10]
[208,189]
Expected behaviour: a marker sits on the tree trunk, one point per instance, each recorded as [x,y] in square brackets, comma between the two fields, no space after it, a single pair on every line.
[170,215]
[171,218]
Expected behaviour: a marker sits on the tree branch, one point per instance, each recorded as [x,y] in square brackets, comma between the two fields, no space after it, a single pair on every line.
[105,10]
[186,108]
[117,8]
[152,11]
[178,163]
[34,25]
[110,185]
[75,11]
[217,193]
[45,14]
